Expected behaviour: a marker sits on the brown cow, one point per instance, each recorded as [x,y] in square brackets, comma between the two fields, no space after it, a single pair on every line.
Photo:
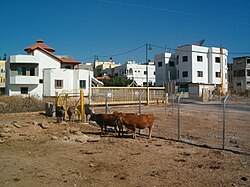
[104,120]
[133,121]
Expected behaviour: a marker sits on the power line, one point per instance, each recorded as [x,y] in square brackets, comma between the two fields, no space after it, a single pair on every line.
[165,48]
[170,11]
[122,53]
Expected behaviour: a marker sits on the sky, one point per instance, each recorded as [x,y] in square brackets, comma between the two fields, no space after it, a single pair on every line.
[121,28]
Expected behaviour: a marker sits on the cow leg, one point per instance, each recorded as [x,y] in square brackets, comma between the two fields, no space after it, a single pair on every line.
[101,129]
[120,129]
[149,132]
[105,128]
[134,133]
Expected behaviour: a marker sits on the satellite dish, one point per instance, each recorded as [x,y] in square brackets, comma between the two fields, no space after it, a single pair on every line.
[200,42]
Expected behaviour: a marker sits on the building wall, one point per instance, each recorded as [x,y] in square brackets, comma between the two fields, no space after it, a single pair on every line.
[71,80]
[181,52]
[216,67]
[200,65]
[241,81]
[162,69]
[208,66]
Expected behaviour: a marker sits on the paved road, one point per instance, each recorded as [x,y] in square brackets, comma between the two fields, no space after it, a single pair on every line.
[215,105]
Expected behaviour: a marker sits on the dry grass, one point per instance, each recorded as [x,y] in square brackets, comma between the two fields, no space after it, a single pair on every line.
[13,104]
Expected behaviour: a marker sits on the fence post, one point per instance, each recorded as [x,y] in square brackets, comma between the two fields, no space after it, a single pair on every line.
[173,105]
[166,102]
[82,105]
[109,94]
[224,121]
[57,99]
[140,103]
[148,95]
[179,115]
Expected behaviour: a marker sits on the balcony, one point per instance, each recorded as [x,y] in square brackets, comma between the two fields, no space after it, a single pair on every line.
[24,59]
[30,80]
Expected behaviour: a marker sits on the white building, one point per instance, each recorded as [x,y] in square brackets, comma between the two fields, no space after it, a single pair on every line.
[201,65]
[41,73]
[193,67]
[136,72]
[164,68]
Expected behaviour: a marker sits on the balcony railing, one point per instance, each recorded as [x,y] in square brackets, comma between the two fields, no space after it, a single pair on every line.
[23,59]
[24,79]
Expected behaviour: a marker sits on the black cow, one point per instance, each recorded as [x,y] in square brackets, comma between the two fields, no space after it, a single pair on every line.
[60,113]
[104,120]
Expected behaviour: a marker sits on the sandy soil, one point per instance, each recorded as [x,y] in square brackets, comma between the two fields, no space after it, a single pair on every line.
[35,150]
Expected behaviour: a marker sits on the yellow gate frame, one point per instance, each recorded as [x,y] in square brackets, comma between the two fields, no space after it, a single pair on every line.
[62,101]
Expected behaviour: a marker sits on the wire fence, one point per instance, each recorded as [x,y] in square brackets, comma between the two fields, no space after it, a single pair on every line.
[208,124]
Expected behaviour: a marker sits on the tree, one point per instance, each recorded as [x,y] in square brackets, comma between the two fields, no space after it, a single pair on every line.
[117,81]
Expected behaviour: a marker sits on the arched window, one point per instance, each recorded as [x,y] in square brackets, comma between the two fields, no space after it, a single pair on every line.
[130,71]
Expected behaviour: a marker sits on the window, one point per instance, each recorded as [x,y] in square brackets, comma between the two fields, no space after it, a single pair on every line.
[239,73]
[82,83]
[67,67]
[184,58]
[217,59]
[178,74]
[217,74]
[145,72]
[154,72]
[248,72]
[177,59]
[58,83]
[40,81]
[185,74]
[23,70]
[171,63]
[238,84]
[19,71]
[248,61]
[130,71]
[159,64]
[199,73]
[32,71]
[199,59]
[24,90]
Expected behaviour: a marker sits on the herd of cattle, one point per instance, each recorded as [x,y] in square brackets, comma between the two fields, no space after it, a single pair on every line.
[117,120]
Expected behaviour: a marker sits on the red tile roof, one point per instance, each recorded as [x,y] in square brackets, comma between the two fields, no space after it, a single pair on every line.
[49,50]
[39,43]
[103,77]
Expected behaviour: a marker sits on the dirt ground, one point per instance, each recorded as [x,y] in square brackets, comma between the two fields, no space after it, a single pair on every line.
[35,150]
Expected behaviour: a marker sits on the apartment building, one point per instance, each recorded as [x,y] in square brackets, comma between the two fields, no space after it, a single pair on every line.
[200,67]
[240,74]
[136,72]
[42,73]
[104,67]
[193,68]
